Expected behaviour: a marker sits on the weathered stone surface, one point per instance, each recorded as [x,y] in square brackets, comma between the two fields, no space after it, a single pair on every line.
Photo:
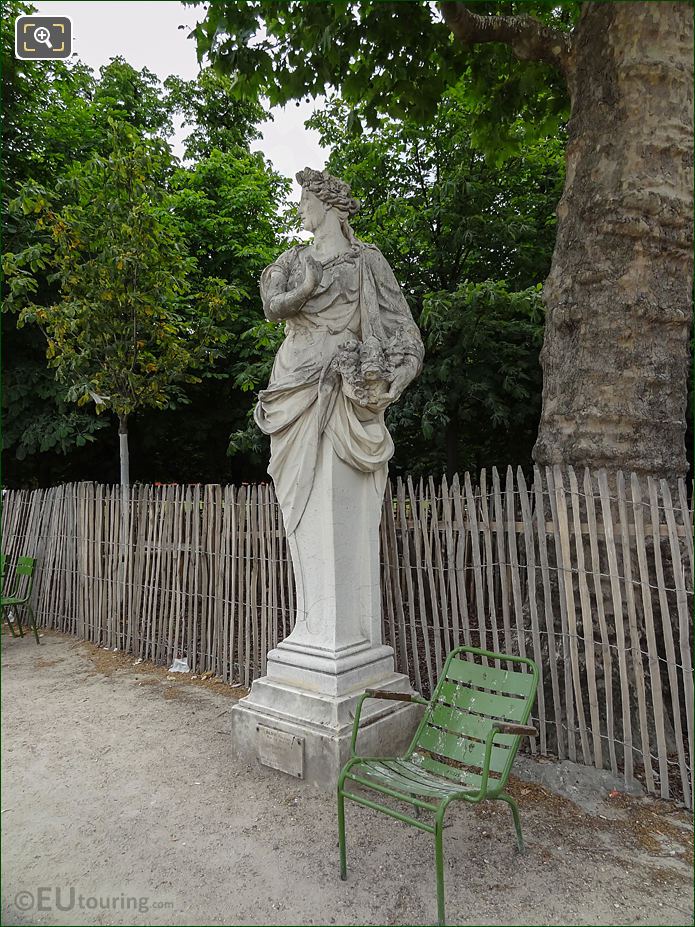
[351,348]
[386,729]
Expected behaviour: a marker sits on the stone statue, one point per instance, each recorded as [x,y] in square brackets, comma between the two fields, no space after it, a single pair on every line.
[351,347]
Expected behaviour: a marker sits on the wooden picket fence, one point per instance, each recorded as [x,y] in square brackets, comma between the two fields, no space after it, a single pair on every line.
[591,577]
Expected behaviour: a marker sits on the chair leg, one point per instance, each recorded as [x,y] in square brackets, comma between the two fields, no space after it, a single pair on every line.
[341,834]
[517,821]
[7,619]
[33,623]
[19,615]
[17,619]
[439,863]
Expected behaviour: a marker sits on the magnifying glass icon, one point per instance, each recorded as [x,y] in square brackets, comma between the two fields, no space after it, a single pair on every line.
[43,35]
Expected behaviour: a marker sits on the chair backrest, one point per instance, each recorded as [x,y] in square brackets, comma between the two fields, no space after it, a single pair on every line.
[25,566]
[2,572]
[469,698]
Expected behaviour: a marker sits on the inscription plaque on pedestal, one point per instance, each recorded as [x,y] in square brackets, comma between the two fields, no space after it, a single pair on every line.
[281,751]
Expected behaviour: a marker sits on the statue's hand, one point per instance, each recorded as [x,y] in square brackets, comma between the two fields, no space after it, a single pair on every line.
[312,276]
[404,374]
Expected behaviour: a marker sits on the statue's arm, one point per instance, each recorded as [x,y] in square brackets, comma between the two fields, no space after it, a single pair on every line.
[394,310]
[397,318]
[279,302]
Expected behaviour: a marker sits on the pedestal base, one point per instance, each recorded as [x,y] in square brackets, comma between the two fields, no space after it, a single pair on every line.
[298,719]
[306,734]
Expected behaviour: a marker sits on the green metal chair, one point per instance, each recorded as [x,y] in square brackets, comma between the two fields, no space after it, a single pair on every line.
[3,564]
[3,567]
[463,748]
[20,599]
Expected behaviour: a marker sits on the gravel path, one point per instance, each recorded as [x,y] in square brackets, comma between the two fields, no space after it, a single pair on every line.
[122,804]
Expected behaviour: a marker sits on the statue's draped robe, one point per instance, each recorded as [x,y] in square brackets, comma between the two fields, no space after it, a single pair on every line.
[304,402]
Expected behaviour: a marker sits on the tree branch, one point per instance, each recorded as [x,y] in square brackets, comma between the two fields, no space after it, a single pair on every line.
[530,40]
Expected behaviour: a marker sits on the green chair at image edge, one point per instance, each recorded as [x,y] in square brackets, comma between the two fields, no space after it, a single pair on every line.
[463,748]
[20,600]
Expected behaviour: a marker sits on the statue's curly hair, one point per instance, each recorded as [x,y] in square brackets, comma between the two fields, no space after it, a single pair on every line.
[329,189]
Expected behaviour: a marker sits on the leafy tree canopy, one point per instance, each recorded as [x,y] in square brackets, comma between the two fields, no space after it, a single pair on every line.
[393,58]
[55,114]
[440,211]
[58,118]
[451,225]
[217,119]
[120,333]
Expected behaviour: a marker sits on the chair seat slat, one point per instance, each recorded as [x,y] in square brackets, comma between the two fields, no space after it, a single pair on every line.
[405,777]
[413,768]
[465,777]
[388,777]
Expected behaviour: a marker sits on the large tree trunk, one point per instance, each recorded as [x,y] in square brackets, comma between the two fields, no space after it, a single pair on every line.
[619,294]
[616,351]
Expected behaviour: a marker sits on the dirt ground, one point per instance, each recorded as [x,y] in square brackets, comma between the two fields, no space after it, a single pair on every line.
[122,804]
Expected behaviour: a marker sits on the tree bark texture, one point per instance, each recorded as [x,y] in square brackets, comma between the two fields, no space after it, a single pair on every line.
[616,349]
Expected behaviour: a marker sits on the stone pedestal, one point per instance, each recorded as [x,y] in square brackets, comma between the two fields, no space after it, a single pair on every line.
[298,718]
[307,734]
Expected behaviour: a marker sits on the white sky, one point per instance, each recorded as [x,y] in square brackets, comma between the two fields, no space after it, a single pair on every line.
[146,34]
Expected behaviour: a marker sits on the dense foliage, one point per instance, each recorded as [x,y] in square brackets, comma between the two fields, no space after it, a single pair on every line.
[397,59]
[221,218]
[121,333]
[469,238]
[519,63]
[470,243]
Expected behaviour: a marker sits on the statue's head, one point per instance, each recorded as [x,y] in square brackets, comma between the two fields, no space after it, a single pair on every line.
[322,191]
